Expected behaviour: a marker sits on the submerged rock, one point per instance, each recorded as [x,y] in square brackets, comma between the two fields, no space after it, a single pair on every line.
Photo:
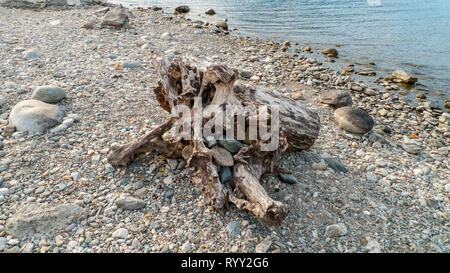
[210,12]
[403,76]
[221,24]
[330,52]
[353,120]
[182,9]
[34,116]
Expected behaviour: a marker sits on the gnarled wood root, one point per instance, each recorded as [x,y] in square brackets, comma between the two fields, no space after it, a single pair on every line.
[179,84]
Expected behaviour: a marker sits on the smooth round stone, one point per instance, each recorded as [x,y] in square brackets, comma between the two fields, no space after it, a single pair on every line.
[210,12]
[34,116]
[336,98]
[182,9]
[353,120]
[222,156]
[49,94]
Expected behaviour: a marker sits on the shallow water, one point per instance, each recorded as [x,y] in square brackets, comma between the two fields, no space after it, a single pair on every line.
[413,35]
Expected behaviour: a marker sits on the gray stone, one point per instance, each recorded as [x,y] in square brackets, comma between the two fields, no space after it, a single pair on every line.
[353,120]
[34,116]
[287,178]
[225,174]
[130,203]
[131,64]
[411,148]
[49,94]
[232,145]
[117,17]
[246,74]
[210,12]
[336,98]
[221,24]
[336,230]
[32,53]
[234,228]
[182,9]
[222,156]
[44,219]
[120,233]
[336,164]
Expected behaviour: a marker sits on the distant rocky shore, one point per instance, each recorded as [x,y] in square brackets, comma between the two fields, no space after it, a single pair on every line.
[77,80]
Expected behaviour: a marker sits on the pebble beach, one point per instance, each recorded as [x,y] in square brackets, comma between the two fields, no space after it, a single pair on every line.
[386,190]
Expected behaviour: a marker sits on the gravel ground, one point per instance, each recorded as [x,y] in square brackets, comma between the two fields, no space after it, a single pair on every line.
[388,200]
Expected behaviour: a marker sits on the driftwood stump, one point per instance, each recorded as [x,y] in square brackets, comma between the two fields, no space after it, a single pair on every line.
[215,87]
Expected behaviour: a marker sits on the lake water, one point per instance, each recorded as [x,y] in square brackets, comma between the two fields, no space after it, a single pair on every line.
[413,35]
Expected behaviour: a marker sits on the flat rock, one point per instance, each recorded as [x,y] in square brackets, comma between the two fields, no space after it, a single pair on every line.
[336,230]
[336,98]
[32,53]
[131,64]
[353,120]
[222,156]
[130,203]
[43,219]
[117,17]
[232,145]
[49,94]
[34,116]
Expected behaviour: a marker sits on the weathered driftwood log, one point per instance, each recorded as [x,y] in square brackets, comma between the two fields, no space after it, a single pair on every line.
[185,84]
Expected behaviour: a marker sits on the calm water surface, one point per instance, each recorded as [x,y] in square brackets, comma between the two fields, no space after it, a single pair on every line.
[413,35]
